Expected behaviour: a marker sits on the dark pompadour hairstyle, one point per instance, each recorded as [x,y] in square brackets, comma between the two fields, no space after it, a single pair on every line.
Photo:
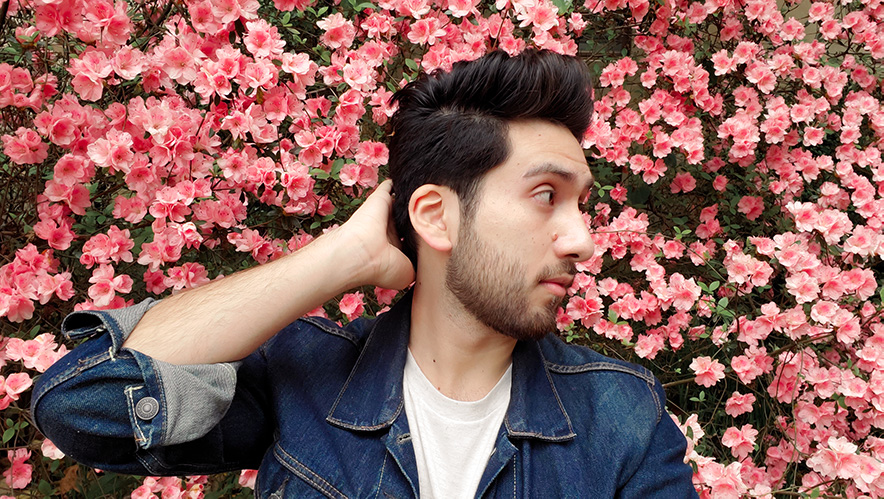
[451,128]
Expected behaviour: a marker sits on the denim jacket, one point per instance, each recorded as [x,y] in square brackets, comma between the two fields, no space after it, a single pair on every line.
[318,410]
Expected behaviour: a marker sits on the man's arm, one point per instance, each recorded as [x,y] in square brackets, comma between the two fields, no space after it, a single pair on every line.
[662,473]
[229,318]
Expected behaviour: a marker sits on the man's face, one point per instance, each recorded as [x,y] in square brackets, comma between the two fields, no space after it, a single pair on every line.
[514,257]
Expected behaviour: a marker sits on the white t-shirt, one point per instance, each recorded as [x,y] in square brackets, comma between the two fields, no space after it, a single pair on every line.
[452,439]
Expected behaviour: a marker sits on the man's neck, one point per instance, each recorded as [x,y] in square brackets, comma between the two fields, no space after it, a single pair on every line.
[462,357]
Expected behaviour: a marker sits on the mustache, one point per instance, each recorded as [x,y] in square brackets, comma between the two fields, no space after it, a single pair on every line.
[563,268]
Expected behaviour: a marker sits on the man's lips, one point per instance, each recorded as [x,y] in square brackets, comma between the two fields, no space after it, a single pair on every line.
[558,285]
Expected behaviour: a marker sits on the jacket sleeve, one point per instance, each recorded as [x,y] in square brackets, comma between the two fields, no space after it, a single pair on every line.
[119,410]
[662,473]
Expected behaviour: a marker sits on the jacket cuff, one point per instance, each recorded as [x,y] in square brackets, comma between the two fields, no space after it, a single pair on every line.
[176,403]
[118,322]
[194,398]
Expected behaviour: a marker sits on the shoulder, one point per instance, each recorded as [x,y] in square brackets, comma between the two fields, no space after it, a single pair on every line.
[616,388]
[564,358]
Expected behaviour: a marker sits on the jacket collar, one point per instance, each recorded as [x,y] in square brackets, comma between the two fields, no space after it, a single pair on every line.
[371,399]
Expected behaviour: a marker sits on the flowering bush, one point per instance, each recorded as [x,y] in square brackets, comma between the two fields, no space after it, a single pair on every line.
[737,145]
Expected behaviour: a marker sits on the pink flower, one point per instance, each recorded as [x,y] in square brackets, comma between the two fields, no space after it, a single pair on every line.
[18,476]
[725,482]
[263,40]
[247,478]
[143,492]
[741,442]
[684,292]
[838,460]
[751,206]
[425,31]
[106,285]
[683,182]
[16,384]
[385,296]
[363,175]
[648,345]
[89,72]
[189,275]
[25,147]
[708,371]
[372,154]
[352,305]
[739,403]
[50,450]
[803,287]
[339,32]
[462,8]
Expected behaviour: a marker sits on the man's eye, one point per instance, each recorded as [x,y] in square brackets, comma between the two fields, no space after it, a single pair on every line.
[546,196]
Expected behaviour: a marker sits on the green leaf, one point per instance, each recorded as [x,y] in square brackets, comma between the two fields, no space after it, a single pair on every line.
[563,5]
[336,166]
[8,434]
[319,174]
[612,315]
[411,64]
[44,488]
[722,303]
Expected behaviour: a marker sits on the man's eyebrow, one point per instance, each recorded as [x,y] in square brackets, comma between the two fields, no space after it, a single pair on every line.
[566,175]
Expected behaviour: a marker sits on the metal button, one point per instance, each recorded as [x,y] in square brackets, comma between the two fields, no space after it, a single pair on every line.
[147,408]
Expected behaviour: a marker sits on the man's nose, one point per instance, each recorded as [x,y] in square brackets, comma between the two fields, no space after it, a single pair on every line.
[574,239]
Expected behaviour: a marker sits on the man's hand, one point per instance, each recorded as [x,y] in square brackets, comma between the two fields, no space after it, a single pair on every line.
[371,235]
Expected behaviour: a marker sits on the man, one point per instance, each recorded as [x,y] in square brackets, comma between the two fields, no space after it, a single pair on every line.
[457,391]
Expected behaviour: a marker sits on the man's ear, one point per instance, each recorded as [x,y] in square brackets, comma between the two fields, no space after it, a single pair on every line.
[434,211]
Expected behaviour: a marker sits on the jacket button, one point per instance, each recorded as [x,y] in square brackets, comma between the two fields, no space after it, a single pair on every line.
[147,408]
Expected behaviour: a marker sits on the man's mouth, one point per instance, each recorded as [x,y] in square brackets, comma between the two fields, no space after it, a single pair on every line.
[558,285]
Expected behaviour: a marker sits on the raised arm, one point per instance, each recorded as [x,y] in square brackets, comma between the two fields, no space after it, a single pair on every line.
[171,403]
[237,314]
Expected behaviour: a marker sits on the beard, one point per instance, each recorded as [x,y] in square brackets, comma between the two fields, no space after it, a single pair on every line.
[491,286]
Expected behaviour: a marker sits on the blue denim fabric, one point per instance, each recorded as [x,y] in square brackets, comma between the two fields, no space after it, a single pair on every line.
[318,409]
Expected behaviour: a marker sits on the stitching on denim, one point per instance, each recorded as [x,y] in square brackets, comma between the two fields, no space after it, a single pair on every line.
[130,406]
[556,395]
[349,426]
[531,434]
[147,466]
[164,427]
[515,457]
[601,366]
[334,407]
[656,402]
[322,485]
[331,330]
[112,326]
[64,376]
[381,479]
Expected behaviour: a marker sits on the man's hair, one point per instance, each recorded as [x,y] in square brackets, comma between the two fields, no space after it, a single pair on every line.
[452,128]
